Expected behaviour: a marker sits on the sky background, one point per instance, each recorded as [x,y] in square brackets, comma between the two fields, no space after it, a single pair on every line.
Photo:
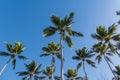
[24,21]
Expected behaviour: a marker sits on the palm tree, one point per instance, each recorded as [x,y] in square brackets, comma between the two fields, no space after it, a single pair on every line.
[105,46]
[72,75]
[52,49]
[63,27]
[48,72]
[32,72]
[13,52]
[83,55]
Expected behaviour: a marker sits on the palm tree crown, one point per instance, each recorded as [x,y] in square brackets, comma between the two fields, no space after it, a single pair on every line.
[13,52]
[71,74]
[52,49]
[48,72]
[32,71]
[83,55]
[63,26]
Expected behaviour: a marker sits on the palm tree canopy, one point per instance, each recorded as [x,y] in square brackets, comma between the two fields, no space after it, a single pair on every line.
[14,51]
[71,74]
[63,26]
[49,71]
[32,70]
[53,49]
[83,55]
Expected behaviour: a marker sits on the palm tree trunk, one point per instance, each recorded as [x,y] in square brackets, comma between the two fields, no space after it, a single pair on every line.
[30,78]
[62,65]
[5,66]
[85,71]
[110,67]
[52,64]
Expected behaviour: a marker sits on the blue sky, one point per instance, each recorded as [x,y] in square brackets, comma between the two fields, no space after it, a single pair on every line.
[24,21]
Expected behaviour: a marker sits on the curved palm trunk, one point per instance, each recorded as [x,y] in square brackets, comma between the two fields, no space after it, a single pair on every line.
[110,67]
[5,66]
[62,65]
[52,64]
[85,71]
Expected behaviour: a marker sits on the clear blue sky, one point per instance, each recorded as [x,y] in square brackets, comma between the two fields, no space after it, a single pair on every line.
[24,21]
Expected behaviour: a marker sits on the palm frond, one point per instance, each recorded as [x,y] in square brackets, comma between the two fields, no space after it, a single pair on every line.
[79,65]
[55,20]
[24,78]
[14,63]
[4,54]
[112,29]
[98,58]
[79,34]
[68,41]
[91,63]
[44,54]
[22,57]
[24,73]
[76,58]
[49,31]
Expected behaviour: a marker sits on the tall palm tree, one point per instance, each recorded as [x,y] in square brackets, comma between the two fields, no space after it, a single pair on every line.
[63,27]
[72,75]
[105,45]
[48,72]
[83,55]
[52,49]
[13,52]
[32,72]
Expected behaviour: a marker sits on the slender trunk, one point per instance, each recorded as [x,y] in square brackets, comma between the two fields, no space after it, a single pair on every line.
[110,67]
[61,51]
[52,64]
[30,78]
[85,71]
[5,66]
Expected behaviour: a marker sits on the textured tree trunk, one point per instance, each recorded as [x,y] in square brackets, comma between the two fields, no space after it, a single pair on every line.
[62,65]
[52,64]
[85,71]
[110,67]
[5,66]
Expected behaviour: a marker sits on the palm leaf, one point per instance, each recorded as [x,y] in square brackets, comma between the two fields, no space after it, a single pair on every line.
[74,33]
[14,63]
[22,57]
[25,73]
[68,41]
[109,59]
[91,63]
[79,65]
[55,20]
[76,58]
[49,31]
[24,78]
[45,54]
[4,54]
[98,58]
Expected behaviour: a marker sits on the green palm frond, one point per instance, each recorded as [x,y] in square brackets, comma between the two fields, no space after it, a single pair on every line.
[22,57]
[49,31]
[91,63]
[74,33]
[24,73]
[112,29]
[4,54]
[79,65]
[98,58]
[55,20]
[68,41]
[14,63]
